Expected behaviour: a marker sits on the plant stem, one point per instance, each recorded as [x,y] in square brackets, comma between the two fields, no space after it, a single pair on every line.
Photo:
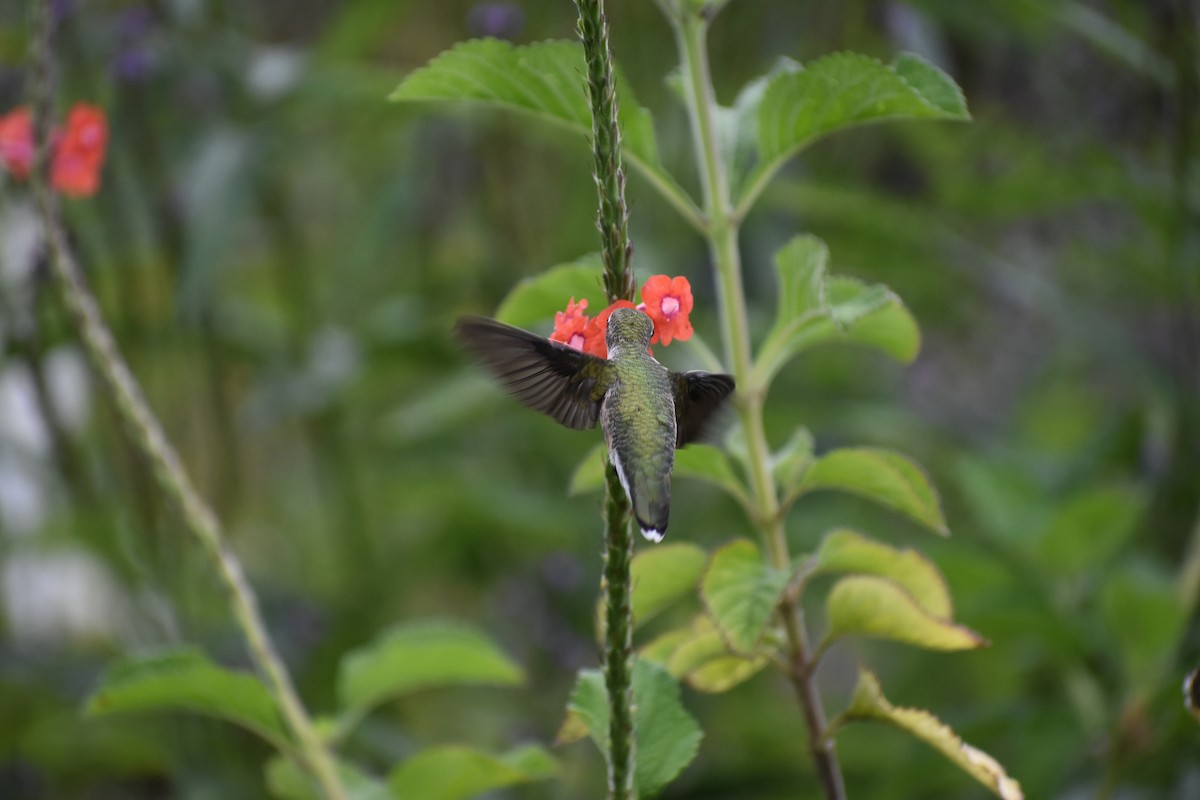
[613,222]
[147,432]
[691,31]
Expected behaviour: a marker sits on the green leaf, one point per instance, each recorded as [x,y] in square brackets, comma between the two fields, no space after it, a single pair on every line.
[667,735]
[792,460]
[418,655]
[710,464]
[589,474]
[287,781]
[534,300]
[699,655]
[816,308]
[741,593]
[881,476]
[186,680]
[840,91]
[869,704]
[544,80]
[1144,618]
[847,551]
[456,773]
[737,126]
[662,576]
[862,605]
[1090,528]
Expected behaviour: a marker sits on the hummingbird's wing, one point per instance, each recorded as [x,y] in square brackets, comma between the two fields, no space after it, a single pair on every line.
[546,376]
[697,395]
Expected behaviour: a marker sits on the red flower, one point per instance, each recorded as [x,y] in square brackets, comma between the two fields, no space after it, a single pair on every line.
[595,342]
[569,325]
[668,302]
[79,154]
[16,142]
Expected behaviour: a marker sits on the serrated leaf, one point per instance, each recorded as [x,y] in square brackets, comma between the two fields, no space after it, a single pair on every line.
[535,299]
[737,125]
[287,781]
[419,655]
[668,737]
[455,772]
[699,655]
[187,680]
[545,80]
[741,593]
[840,91]
[869,704]
[847,551]
[589,473]
[710,464]
[1089,528]
[881,476]
[862,605]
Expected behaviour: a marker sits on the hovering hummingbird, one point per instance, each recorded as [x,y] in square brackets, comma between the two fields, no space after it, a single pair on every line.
[646,410]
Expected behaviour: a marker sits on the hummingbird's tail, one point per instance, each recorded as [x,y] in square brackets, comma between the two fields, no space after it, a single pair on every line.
[651,504]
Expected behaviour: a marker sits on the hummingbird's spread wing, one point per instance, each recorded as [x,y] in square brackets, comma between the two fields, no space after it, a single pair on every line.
[697,395]
[546,376]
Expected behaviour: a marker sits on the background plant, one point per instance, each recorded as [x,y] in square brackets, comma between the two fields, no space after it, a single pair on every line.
[281,273]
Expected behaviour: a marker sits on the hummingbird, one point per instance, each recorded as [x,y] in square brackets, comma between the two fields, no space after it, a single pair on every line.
[645,410]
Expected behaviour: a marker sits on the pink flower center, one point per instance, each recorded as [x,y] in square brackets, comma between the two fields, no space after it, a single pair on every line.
[576,341]
[670,307]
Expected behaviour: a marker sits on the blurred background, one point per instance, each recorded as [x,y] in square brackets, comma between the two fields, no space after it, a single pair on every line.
[282,253]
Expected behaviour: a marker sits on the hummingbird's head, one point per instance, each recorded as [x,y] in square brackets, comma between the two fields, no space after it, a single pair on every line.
[628,326]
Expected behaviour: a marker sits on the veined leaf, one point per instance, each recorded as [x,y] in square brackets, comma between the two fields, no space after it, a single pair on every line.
[840,91]
[544,80]
[741,593]
[869,704]
[418,655]
[737,126]
[186,680]
[457,773]
[535,299]
[667,735]
[663,575]
[699,655]
[862,605]
[707,463]
[881,476]
[847,551]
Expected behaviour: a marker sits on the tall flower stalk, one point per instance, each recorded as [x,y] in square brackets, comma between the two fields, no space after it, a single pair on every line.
[147,432]
[617,251]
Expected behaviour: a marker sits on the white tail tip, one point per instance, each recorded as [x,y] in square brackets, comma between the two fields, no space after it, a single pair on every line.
[652,534]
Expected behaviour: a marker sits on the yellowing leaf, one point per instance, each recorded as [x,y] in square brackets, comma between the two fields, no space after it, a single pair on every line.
[869,704]
[869,606]
[882,476]
[846,551]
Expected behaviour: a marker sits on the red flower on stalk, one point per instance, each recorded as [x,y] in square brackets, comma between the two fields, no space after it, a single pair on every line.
[668,302]
[595,343]
[16,142]
[77,155]
[570,325]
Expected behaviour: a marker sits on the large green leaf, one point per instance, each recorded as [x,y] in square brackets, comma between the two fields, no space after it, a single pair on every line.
[662,575]
[881,476]
[737,125]
[534,300]
[707,463]
[417,655]
[847,551]
[456,773]
[667,735]
[545,80]
[287,781]
[869,704]
[186,680]
[741,592]
[840,91]
[699,655]
[862,605]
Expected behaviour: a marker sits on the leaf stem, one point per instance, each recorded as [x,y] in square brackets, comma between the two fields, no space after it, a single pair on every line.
[691,31]
[146,430]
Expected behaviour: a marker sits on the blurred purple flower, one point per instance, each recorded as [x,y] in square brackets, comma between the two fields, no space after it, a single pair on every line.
[135,59]
[61,9]
[501,20]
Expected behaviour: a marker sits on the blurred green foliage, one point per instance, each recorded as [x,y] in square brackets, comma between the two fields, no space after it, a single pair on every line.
[282,252]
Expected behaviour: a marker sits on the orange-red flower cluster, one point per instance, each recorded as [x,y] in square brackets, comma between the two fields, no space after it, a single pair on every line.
[667,301]
[77,153]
